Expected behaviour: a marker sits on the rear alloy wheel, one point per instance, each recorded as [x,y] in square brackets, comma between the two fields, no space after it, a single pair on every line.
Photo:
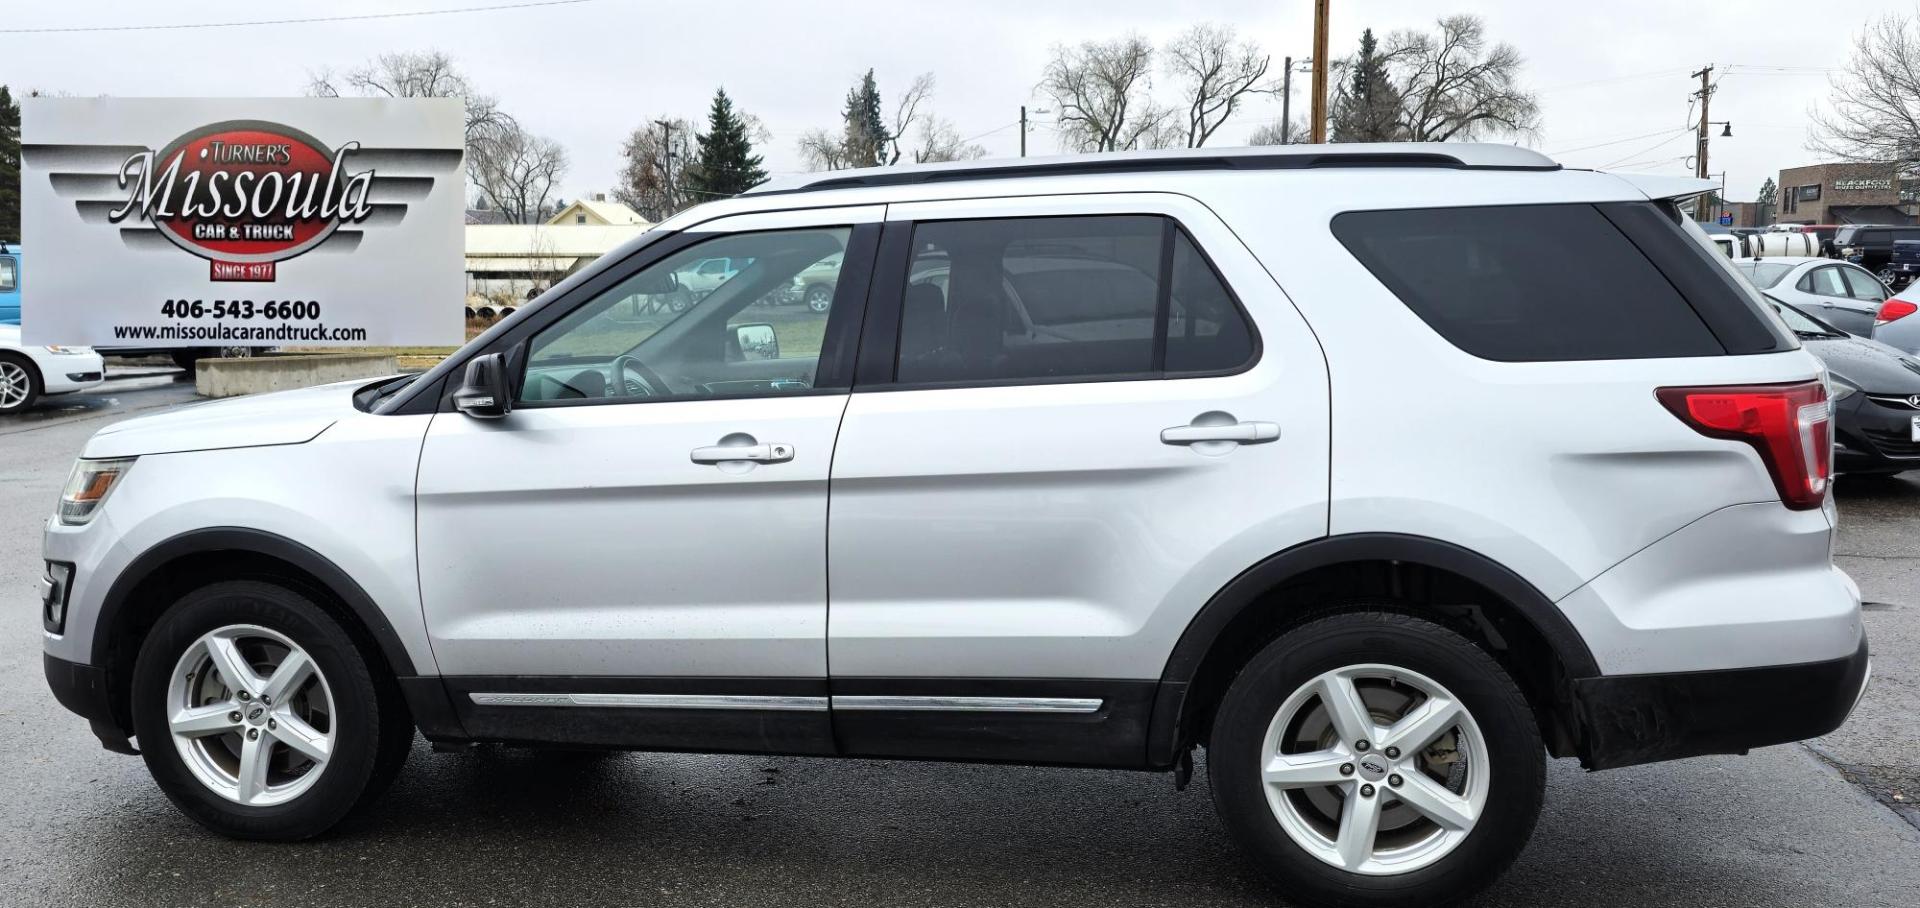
[19,384]
[1376,759]
[259,716]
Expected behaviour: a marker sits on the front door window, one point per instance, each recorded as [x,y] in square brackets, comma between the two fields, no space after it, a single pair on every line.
[653,337]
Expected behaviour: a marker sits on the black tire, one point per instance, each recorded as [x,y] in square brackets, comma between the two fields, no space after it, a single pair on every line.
[368,721]
[34,385]
[819,298]
[1516,781]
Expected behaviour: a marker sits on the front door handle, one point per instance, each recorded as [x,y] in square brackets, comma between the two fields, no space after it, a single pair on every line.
[1220,429]
[743,448]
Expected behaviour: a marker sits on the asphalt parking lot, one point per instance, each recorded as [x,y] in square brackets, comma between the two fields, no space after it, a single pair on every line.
[1830,823]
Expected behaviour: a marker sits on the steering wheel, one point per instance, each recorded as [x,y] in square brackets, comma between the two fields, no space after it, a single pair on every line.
[620,385]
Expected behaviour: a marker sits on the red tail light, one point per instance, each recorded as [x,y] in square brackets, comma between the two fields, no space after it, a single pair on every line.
[1894,309]
[1791,426]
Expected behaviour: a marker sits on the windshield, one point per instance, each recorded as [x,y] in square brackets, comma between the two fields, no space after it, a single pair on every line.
[1763,274]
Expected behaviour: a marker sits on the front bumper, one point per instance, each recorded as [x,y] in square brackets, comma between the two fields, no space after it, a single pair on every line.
[1626,720]
[66,373]
[1874,437]
[83,690]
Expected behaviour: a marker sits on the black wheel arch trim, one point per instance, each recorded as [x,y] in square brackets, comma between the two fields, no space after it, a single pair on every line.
[257,542]
[1240,593]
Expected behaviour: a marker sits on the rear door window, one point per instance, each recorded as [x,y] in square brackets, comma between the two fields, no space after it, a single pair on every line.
[1528,283]
[9,274]
[1064,298]
[1824,282]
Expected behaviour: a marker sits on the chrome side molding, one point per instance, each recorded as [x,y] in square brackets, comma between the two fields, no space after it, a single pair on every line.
[971,704]
[749,701]
[652,701]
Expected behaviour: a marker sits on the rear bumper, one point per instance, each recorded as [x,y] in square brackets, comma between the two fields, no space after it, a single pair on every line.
[1631,719]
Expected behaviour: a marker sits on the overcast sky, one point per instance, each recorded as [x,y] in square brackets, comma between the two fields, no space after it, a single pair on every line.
[1612,75]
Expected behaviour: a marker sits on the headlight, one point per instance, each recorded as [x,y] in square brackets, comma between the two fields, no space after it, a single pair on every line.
[1839,389]
[69,351]
[89,485]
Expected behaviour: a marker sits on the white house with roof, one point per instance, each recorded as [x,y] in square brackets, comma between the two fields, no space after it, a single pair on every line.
[597,212]
[508,264]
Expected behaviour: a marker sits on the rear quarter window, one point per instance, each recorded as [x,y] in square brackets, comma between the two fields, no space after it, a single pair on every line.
[1533,283]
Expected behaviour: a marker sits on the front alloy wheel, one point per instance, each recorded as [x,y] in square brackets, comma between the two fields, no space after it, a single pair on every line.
[260,716]
[251,715]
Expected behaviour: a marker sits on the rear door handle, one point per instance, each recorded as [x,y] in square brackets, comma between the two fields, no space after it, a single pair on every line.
[1199,432]
[743,448]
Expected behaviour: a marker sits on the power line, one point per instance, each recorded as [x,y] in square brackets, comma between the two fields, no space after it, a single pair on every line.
[1619,141]
[1609,80]
[529,4]
[1651,148]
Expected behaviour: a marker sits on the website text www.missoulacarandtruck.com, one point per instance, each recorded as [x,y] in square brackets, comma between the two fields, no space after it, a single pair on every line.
[236,334]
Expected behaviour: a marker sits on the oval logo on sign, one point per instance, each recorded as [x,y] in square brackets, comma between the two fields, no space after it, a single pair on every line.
[245,193]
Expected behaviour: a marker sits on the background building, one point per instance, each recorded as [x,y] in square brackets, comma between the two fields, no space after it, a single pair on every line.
[1845,194]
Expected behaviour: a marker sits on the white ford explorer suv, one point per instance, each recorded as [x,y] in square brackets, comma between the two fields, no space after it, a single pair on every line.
[1380,472]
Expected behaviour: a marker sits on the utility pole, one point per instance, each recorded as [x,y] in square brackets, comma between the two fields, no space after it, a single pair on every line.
[1705,94]
[1286,101]
[1319,124]
[666,156]
[1023,130]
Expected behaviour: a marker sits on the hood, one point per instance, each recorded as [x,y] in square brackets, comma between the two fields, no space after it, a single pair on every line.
[1869,365]
[280,418]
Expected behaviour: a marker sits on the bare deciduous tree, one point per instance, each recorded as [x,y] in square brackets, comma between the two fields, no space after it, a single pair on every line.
[1455,85]
[939,141]
[645,179]
[1272,134]
[416,74]
[516,172]
[1876,101]
[1215,72]
[1099,91]
[908,115]
[824,149]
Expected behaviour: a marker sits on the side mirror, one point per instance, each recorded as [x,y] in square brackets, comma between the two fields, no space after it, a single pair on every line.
[483,393]
[757,341]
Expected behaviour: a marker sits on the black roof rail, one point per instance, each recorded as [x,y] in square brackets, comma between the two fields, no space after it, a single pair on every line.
[1456,157]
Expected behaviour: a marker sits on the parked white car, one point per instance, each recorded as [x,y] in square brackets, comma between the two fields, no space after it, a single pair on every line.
[1382,472]
[28,373]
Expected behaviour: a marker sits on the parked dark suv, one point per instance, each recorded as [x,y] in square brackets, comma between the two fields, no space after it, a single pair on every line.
[1871,245]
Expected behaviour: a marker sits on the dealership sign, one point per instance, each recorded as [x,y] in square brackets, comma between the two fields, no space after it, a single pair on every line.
[228,222]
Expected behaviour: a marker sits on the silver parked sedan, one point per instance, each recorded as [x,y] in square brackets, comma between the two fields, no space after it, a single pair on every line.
[1841,294]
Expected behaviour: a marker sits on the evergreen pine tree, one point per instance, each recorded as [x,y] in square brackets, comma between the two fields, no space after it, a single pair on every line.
[724,163]
[1367,107]
[1769,194]
[9,167]
[867,137]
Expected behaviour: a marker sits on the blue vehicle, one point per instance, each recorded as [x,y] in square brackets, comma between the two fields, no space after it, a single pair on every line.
[9,283]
